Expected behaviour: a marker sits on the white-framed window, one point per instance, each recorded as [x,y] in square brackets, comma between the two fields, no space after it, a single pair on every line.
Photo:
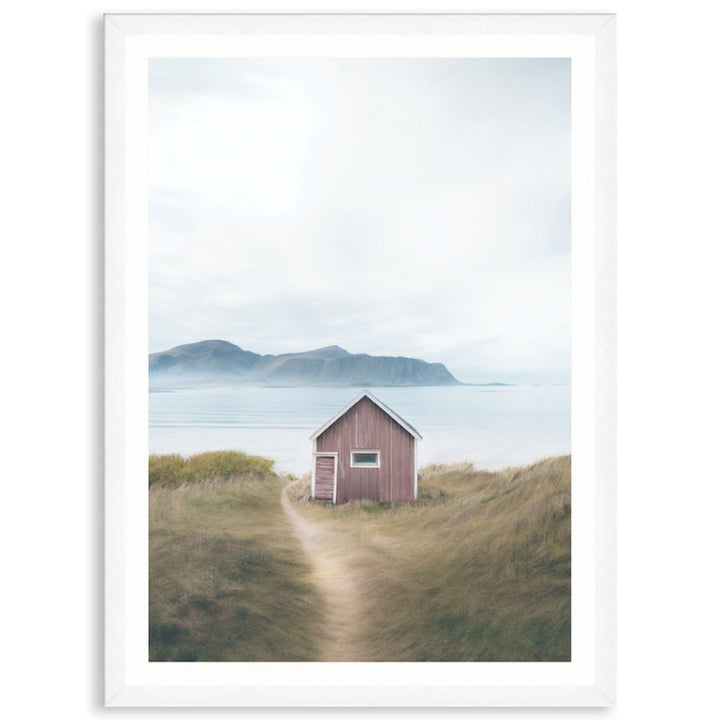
[365,458]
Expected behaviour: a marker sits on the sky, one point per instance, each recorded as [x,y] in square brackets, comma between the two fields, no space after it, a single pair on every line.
[416,207]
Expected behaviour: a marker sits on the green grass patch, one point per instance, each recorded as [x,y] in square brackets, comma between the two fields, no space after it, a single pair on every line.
[174,470]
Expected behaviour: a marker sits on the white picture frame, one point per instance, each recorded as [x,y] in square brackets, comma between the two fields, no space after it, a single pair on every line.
[590,38]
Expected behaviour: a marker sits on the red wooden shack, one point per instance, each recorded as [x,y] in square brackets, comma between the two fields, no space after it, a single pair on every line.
[365,451]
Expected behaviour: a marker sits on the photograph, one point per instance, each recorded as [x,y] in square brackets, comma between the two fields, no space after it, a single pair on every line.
[358,356]
[360,359]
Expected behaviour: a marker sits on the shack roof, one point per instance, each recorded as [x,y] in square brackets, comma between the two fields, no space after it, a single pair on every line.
[365,394]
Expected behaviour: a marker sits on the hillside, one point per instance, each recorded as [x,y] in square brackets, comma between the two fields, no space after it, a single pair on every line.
[227,580]
[218,361]
[476,569]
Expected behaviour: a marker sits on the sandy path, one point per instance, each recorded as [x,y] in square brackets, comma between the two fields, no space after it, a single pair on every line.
[336,584]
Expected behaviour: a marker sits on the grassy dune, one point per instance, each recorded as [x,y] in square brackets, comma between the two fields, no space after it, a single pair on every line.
[227,579]
[477,569]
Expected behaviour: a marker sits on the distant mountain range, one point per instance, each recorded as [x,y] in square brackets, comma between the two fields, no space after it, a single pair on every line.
[221,362]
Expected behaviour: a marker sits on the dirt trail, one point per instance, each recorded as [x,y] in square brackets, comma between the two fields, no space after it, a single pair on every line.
[335,581]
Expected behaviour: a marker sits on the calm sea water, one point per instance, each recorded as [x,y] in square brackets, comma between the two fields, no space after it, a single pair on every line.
[491,427]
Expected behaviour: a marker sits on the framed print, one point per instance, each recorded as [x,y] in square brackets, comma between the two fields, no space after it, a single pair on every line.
[360,429]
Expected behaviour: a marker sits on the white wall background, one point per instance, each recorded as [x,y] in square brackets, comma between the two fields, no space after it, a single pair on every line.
[668,357]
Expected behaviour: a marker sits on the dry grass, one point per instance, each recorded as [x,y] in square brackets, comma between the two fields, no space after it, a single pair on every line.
[478,568]
[227,579]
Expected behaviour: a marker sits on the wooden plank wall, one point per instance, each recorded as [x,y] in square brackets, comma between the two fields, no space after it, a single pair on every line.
[324,477]
[366,427]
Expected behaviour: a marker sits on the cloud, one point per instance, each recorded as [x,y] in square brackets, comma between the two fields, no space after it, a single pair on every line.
[416,207]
